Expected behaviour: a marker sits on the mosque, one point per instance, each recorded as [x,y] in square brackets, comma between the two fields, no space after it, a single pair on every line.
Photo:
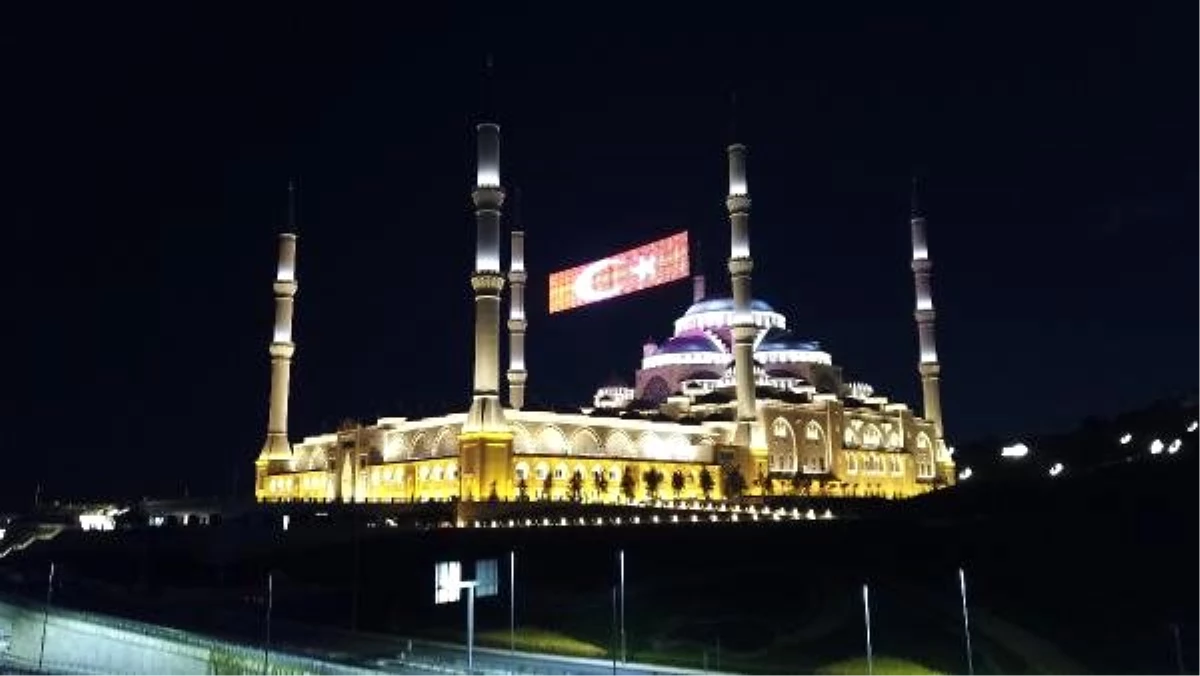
[731,405]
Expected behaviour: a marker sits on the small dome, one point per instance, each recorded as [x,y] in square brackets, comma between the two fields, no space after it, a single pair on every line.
[724,305]
[689,342]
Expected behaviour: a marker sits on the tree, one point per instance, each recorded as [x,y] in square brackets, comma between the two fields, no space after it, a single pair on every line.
[547,486]
[735,483]
[767,483]
[653,479]
[493,496]
[799,484]
[600,481]
[576,486]
[522,489]
[628,484]
[677,482]
[706,482]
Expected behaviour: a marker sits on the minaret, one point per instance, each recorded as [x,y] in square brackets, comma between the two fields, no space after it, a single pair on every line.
[740,266]
[698,290]
[922,268]
[487,282]
[282,348]
[516,311]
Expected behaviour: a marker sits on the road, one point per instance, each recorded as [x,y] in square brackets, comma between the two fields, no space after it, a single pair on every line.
[492,661]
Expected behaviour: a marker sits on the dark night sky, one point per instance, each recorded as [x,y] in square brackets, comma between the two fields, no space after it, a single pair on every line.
[146,152]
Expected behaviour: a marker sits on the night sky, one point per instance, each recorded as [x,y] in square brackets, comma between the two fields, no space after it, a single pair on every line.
[146,153]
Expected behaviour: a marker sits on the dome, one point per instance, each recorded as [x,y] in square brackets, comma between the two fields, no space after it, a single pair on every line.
[689,342]
[778,339]
[724,305]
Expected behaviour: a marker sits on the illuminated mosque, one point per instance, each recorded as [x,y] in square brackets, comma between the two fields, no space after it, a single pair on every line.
[731,405]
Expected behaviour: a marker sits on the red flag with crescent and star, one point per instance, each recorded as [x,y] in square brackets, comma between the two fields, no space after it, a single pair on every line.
[658,262]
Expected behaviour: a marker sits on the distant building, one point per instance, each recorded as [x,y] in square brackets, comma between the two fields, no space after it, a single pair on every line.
[730,397]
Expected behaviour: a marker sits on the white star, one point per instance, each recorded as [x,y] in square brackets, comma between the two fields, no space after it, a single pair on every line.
[645,268]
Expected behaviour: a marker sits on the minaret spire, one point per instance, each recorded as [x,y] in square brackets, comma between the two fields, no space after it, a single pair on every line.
[277,449]
[929,367]
[740,266]
[487,281]
[516,309]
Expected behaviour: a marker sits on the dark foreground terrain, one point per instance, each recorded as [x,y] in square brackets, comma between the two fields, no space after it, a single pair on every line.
[1093,571]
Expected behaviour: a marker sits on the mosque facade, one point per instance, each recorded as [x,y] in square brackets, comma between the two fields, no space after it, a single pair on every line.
[731,405]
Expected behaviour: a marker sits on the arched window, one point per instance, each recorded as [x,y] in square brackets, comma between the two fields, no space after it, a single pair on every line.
[522,471]
[891,436]
[871,438]
[421,444]
[657,390]
[850,438]
[924,457]
[813,431]
[585,442]
[542,471]
[551,440]
[649,445]
[618,443]
[560,471]
[522,440]
[782,457]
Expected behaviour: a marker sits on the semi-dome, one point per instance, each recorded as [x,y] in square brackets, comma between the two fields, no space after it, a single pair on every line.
[780,339]
[724,305]
[689,342]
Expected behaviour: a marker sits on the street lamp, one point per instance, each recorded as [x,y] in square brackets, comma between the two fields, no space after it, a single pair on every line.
[624,655]
[962,588]
[867,624]
[1017,450]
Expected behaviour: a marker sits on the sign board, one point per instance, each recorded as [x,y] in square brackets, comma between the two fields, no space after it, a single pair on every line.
[658,262]
[447,578]
[487,577]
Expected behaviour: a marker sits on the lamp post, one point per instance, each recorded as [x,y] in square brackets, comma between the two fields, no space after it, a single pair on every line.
[624,654]
[1178,648]
[270,605]
[614,629]
[962,587]
[46,615]
[512,601]
[867,623]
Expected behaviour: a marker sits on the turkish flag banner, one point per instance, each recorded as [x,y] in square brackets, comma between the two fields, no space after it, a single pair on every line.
[658,262]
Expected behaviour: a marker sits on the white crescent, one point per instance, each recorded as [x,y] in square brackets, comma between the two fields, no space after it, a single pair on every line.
[585,289]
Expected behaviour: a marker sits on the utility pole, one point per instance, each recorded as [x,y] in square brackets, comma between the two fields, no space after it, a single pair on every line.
[270,605]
